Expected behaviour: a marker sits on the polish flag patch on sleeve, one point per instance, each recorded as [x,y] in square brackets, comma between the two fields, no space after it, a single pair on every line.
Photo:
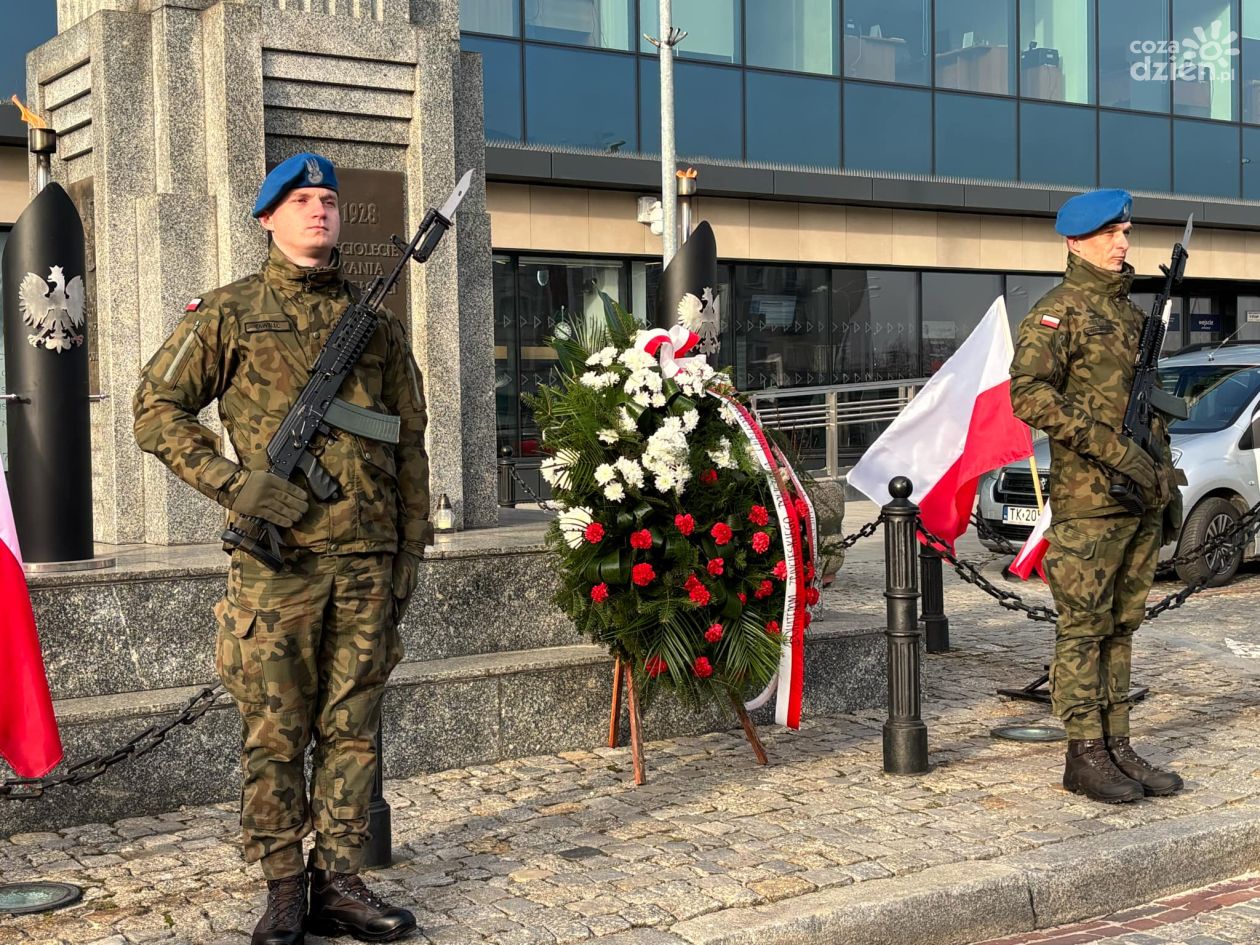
[193,305]
[1050,321]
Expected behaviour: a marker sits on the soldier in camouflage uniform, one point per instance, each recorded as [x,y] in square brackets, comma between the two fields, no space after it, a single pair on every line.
[305,652]
[1071,376]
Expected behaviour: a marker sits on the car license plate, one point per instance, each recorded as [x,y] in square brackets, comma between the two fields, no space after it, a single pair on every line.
[1018,515]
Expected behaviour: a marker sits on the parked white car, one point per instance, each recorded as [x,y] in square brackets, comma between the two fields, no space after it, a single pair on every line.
[1217,446]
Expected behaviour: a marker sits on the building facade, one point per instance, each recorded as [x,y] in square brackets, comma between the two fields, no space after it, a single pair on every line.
[876,171]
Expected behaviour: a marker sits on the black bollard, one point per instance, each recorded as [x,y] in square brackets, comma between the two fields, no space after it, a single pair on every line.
[935,623]
[905,735]
[380,847]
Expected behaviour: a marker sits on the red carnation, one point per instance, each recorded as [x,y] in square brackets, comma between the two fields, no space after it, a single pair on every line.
[709,477]
[685,524]
[641,539]
[811,596]
[655,666]
[802,510]
[642,574]
[743,598]
[764,589]
[716,566]
[714,633]
[594,533]
[758,515]
[721,533]
[699,594]
[760,542]
[809,571]
[702,667]
[772,627]
[599,593]
[780,570]
[692,581]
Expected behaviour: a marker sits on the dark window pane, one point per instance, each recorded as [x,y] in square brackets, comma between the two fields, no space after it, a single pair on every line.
[1056,60]
[501,71]
[793,120]
[712,28]
[797,35]
[888,40]
[1057,144]
[975,137]
[1250,44]
[606,23]
[873,143]
[1205,159]
[584,99]
[1134,66]
[490,16]
[33,26]
[875,325]
[953,304]
[708,109]
[1251,163]
[973,45]
[781,337]
[1135,152]
[1207,60]
[507,351]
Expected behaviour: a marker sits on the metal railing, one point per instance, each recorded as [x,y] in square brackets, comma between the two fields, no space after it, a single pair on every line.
[849,415]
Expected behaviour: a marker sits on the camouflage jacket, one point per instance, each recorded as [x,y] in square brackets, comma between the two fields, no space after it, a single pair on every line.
[1071,376]
[250,345]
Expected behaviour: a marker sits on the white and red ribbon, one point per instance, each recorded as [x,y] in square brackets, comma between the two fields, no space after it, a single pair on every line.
[792,659]
[668,347]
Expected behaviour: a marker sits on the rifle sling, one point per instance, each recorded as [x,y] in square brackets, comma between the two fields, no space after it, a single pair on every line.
[362,422]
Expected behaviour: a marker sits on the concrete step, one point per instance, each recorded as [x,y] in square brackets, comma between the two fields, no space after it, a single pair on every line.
[442,713]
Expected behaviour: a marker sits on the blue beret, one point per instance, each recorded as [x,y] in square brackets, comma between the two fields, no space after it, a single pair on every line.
[301,170]
[1085,213]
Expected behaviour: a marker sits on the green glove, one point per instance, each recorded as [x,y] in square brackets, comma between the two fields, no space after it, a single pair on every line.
[406,577]
[263,495]
[1137,465]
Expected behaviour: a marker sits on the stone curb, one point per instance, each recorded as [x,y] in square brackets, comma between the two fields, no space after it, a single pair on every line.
[968,902]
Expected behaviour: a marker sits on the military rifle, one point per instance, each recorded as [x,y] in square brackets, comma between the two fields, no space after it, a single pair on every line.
[1146,396]
[289,449]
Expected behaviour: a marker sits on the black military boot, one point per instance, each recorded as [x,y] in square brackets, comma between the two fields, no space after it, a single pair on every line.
[341,904]
[1089,771]
[281,923]
[1155,781]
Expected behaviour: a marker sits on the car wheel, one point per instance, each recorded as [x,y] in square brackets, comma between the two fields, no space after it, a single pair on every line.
[1209,518]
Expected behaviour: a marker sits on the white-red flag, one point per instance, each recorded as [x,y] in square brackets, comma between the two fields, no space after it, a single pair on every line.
[1029,557]
[958,427]
[29,741]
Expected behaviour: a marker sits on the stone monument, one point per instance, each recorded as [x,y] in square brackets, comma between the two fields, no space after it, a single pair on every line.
[170,112]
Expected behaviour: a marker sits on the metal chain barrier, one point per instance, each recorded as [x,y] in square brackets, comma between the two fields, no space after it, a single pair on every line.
[866,531]
[971,574]
[533,496]
[30,788]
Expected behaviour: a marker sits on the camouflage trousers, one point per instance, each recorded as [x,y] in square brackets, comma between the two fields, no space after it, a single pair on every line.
[1100,571]
[306,652]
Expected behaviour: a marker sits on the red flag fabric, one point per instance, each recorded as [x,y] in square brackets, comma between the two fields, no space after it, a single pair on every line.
[958,427]
[29,740]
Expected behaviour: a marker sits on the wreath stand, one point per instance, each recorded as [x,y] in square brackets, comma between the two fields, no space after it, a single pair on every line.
[624,678]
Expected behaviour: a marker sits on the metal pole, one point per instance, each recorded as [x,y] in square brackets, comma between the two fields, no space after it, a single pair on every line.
[380,845]
[905,735]
[669,168]
[935,623]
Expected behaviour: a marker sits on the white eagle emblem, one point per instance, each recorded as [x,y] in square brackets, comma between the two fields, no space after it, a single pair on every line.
[314,175]
[704,318]
[54,312]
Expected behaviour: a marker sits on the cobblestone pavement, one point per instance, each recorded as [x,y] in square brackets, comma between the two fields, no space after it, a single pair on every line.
[563,849]
[1225,913]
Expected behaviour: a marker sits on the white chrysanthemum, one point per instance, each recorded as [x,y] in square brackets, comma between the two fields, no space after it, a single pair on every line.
[555,469]
[658,400]
[689,420]
[604,357]
[573,524]
[630,471]
[626,422]
[721,456]
[665,481]
[607,436]
[601,380]
[614,492]
[604,474]
[636,360]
